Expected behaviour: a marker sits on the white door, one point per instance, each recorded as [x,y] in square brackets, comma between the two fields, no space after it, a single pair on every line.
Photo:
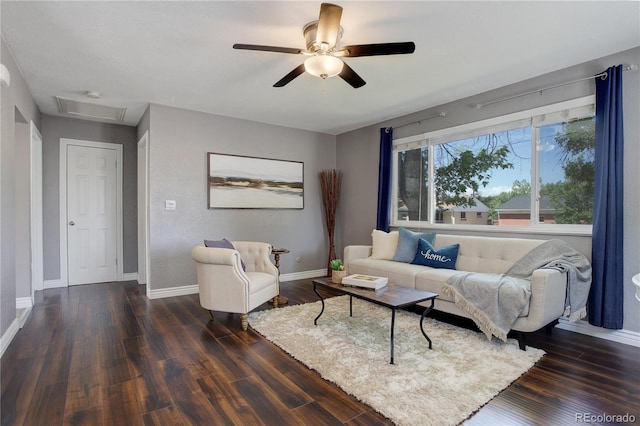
[91,215]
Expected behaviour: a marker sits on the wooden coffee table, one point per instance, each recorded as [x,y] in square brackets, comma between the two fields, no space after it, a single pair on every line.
[390,296]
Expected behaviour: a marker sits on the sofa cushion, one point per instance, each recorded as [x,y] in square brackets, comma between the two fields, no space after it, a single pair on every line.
[384,244]
[398,273]
[444,257]
[223,243]
[408,244]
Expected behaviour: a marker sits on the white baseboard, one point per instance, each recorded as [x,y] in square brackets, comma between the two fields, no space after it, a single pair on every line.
[54,284]
[8,336]
[130,276]
[193,289]
[173,291]
[303,275]
[24,316]
[15,326]
[24,302]
[626,337]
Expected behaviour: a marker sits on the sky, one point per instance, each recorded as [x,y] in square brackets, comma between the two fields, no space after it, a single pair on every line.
[519,141]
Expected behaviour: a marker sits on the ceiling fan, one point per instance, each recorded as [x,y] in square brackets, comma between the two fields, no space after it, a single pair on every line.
[323,53]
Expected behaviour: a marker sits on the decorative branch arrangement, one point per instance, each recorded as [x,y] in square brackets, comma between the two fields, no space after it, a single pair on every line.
[330,183]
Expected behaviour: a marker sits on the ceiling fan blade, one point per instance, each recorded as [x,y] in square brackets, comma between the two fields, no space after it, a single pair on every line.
[287,78]
[378,49]
[351,77]
[328,24]
[291,50]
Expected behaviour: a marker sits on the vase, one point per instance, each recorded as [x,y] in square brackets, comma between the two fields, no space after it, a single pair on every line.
[337,276]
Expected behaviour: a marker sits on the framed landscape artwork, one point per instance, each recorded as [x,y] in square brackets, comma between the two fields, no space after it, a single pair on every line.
[241,182]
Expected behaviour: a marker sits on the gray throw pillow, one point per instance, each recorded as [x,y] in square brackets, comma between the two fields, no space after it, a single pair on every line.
[223,243]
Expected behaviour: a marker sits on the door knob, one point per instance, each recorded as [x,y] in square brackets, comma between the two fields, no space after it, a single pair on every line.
[72,223]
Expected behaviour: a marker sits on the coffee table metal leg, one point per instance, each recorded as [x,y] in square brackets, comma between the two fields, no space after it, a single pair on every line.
[350,305]
[424,314]
[393,322]
[315,321]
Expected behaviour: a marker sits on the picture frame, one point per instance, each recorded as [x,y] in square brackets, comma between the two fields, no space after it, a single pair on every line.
[244,182]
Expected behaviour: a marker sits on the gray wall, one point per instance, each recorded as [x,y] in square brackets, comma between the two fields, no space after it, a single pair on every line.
[54,128]
[357,155]
[179,142]
[16,106]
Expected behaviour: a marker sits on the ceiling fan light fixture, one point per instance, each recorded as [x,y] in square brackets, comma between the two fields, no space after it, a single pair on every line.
[323,66]
[322,37]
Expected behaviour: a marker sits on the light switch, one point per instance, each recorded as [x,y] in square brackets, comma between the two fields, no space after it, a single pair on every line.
[169,204]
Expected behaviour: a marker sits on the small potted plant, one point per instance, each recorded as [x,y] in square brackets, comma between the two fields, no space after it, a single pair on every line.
[337,271]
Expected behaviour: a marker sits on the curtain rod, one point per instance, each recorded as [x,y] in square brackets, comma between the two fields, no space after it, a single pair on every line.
[602,75]
[440,114]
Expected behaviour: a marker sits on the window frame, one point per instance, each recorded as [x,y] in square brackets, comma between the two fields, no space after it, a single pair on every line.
[534,118]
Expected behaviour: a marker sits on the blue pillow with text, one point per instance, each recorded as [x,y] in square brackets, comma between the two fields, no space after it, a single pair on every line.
[408,244]
[427,255]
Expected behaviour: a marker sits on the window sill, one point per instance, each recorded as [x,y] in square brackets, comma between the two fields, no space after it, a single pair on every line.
[551,230]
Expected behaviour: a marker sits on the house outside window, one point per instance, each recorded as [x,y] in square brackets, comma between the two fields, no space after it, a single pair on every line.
[528,169]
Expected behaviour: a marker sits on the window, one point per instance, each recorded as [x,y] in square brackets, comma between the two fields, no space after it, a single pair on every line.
[526,169]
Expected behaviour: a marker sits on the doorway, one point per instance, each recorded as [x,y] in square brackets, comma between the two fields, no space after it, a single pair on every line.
[90,212]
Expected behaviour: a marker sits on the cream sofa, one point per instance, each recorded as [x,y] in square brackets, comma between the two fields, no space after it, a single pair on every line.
[476,254]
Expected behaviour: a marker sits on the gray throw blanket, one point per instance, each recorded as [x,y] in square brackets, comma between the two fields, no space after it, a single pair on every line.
[493,301]
[556,254]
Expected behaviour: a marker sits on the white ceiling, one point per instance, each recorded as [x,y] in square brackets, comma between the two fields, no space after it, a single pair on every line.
[179,53]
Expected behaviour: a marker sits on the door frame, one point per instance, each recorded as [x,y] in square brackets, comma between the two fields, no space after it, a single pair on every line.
[37,224]
[143,211]
[64,143]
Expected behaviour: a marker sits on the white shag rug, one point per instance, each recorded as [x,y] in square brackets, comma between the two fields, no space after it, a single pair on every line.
[441,386]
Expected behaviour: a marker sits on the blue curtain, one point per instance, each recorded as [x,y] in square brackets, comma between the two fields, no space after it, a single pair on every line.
[606,295]
[384,179]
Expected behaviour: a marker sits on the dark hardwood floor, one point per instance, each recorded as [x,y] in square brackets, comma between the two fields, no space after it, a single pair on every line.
[104,354]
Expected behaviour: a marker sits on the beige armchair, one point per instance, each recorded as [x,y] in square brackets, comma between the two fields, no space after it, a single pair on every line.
[224,286]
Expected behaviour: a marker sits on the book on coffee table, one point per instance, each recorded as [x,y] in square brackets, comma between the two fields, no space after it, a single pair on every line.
[366,281]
